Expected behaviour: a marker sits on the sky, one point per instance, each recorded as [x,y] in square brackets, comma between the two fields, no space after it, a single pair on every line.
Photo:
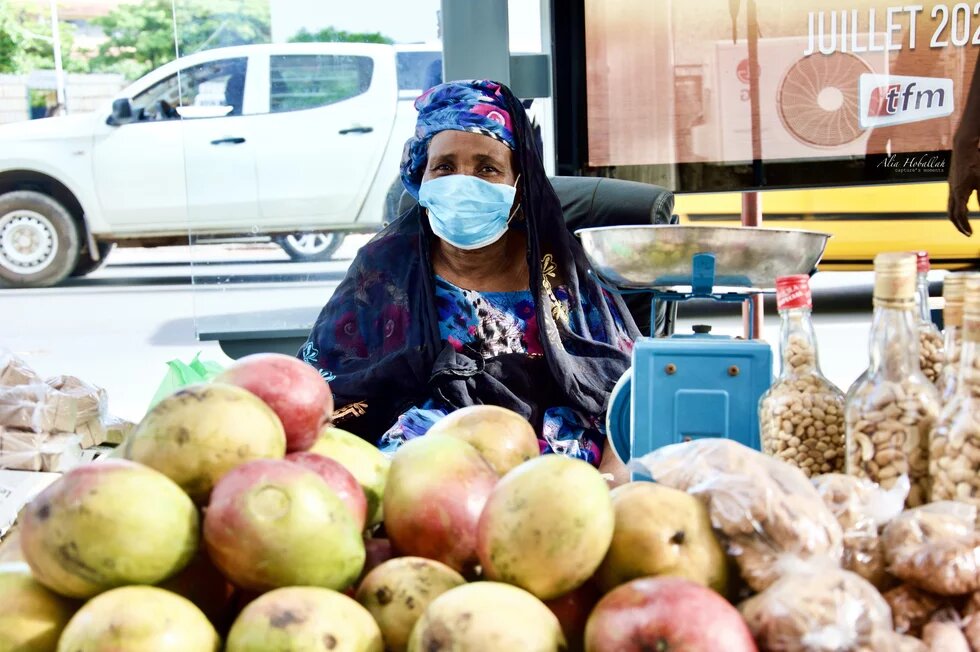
[406,21]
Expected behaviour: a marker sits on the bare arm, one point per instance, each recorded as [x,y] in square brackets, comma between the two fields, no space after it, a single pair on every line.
[964,170]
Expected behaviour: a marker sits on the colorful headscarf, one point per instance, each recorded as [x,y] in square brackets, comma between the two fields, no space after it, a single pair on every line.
[477,106]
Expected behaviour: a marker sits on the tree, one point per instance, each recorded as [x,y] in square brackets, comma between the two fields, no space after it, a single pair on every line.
[141,37]
[26,44]
[9,42]
[332,35]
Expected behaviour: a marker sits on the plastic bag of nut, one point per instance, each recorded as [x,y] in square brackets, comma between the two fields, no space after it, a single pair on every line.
[768,513]
[801,416]
[862,508]
[912,608]
[935,547]
[819,609]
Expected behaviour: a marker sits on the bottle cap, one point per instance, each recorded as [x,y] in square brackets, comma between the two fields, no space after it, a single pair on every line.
[895,280]
[971,309]
[971,297]
[953,285]
[793,292]
[922,262]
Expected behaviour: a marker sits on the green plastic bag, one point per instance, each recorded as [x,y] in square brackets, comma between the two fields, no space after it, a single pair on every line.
[181,374]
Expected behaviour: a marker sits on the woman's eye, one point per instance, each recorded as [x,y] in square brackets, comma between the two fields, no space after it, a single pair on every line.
[489,169]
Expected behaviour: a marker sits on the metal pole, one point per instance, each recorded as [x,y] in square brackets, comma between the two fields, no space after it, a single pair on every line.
[751,204]
[59,72]
[475,40]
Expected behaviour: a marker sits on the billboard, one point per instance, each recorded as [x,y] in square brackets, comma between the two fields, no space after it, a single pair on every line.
[870,89]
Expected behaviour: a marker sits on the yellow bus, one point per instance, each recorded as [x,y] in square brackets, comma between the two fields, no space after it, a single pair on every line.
[863,220]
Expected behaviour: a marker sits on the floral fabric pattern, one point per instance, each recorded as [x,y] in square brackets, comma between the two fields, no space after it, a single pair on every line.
[498,323]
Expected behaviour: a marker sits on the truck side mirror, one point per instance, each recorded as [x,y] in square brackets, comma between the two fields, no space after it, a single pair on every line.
[122,111]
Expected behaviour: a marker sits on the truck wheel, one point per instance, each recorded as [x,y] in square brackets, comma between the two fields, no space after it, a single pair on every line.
[307,247]
[39,240]
[86,265]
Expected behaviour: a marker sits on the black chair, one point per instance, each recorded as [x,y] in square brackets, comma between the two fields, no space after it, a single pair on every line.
[598,201]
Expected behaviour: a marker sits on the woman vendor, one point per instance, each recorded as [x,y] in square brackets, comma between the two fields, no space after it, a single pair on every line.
[478,295]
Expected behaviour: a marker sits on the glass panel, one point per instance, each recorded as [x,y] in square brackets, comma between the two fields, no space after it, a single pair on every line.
[306,81]
[280,198]
[768,93]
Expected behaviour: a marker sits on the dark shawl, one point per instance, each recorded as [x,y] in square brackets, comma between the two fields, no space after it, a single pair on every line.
[377,340]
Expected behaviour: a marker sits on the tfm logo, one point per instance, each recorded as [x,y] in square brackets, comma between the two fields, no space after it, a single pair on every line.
[896,99]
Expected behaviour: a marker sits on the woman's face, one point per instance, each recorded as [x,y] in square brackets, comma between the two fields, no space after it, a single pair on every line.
[463,152]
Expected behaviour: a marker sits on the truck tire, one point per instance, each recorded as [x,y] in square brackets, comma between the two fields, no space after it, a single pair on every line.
[309,247]
[39,240]
[86,265]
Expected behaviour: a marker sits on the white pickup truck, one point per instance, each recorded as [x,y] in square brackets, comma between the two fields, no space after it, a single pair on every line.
[298,143]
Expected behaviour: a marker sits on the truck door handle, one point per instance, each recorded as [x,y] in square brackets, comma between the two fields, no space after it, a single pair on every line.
[228,141]
[355,130]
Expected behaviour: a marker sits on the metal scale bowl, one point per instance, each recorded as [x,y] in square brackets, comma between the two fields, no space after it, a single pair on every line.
[700,385]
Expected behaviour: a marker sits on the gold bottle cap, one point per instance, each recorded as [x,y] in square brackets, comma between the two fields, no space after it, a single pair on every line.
[895,274]
[971,309]
[953,286]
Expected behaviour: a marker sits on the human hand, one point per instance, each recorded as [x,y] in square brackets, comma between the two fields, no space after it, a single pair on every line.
[964,179]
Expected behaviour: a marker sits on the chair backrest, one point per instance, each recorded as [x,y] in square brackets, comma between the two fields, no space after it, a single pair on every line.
[599,201]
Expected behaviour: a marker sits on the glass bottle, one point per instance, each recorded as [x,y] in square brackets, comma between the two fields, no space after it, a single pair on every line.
[954,454]
[932,356]
[952,321]
[802,415]
[891,410]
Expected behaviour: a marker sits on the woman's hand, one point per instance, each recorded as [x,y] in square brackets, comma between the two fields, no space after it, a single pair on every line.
[611,465]
[964,179]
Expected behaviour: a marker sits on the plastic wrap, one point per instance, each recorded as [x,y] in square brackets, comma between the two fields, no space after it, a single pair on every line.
[862,508]
[30,451]
[820,609]
[14,371]
[936,548]
[769,515]
[944,637]
[912,608]
[38,408]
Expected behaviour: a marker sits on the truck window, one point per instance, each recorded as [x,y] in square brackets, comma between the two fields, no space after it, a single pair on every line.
[216,83]
[418,71]
[302,81]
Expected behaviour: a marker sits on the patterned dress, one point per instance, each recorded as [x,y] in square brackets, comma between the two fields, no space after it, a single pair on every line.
[501,323]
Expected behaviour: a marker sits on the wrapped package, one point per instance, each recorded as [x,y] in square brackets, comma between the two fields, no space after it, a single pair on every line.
[89,402]
[63,404]
[36,408]
[912,608]
[14,371]
[30,451]
[935,547]
[768,514]
[819,608]
[104,430]
[862,508]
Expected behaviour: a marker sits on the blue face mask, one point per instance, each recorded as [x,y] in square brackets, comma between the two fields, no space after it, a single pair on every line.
[466,211]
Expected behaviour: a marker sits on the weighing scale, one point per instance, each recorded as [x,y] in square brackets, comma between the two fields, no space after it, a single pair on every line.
[689,386]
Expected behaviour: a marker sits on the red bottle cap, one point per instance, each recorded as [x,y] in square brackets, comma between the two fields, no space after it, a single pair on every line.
[922,261]
[793,292]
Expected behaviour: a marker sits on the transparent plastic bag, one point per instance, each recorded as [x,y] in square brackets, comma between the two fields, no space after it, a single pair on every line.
[30,451]
[862,508]
[912,608]
[14,371]
[769,515]
[935,547]
[819,609]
